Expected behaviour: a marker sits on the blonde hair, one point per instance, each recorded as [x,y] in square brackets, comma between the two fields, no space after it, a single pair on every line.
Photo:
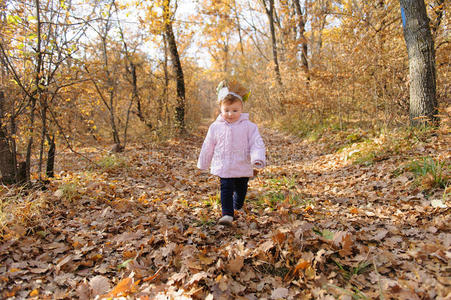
[233,86]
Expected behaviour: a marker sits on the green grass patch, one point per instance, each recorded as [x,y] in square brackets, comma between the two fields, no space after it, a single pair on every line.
[312,130]
[367,149]
[349,271]
[213,201]
[274,198]
[429,173]
[281,183]
[112,162]
[70,190]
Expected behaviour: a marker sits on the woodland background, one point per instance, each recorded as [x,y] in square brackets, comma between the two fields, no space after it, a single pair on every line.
[83,80]
[87,72]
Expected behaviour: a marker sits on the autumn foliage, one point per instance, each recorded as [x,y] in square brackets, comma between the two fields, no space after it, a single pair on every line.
[100,128]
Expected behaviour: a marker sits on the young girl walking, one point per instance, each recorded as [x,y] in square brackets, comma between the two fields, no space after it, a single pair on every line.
[232,148]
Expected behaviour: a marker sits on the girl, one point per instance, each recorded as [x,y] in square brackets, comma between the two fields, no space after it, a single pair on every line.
[232,148]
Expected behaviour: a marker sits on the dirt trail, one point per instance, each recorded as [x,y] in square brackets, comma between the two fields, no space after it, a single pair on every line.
[316,226]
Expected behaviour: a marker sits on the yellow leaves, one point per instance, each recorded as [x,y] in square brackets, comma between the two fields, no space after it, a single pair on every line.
[354,210]
[143,199]
[34,293]
[129,254]
[205,260]
[13,270]
[310,273]
[77,244]
[125,287]
[96,257]
[13,20]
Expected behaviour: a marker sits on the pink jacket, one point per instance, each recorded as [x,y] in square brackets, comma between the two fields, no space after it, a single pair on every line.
[232,149]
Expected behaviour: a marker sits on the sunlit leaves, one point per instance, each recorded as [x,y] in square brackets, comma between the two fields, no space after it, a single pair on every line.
[13,20]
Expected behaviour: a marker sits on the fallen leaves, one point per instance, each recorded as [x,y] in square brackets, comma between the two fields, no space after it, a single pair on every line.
[125,287]
[235,264]
[316,227]
[99,285]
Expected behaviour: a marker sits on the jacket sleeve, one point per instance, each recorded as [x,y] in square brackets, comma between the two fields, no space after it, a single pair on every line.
[257,147]
[206,153]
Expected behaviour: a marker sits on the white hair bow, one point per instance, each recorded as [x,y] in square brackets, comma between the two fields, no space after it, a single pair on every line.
[224,92]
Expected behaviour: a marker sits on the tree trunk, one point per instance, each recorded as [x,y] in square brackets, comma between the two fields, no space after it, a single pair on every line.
[180,108]
[110,79]
[270,13]
[7,167]
[304,47]
[420,48]
[114,130]
[239,29]
[30,140]
[166,84]
[51,157]
[37,93]
[43,104]
[131,69]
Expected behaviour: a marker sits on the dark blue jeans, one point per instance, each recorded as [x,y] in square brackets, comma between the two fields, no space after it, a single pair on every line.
[233,192]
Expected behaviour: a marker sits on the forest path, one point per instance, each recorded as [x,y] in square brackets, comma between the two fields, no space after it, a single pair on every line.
[146,226]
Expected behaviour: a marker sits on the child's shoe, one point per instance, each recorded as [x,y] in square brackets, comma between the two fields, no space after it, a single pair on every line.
[226,220]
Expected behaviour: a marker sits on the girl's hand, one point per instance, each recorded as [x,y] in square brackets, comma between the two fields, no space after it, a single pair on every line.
[258,164]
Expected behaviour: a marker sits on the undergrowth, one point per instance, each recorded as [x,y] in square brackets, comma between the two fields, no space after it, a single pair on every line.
[112,162]
[20,210]
[429,172]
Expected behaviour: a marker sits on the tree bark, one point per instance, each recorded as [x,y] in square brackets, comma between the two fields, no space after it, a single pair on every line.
[7,167]
[51,157]
[37,93]
[166,84]
[420,49]
[270,13]
[304,47]
[180,108]
[131,69]
[110,81]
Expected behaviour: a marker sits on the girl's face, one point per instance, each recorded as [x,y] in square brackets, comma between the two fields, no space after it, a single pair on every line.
[231,112]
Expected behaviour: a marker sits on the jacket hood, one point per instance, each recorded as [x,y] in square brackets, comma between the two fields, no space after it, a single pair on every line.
[243,117]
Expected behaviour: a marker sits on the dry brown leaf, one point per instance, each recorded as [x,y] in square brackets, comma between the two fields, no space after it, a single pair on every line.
[99,285]
[235,264]
[279,293]
[197,277]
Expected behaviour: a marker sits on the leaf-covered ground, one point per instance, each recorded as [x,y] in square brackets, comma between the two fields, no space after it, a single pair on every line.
[316,225]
